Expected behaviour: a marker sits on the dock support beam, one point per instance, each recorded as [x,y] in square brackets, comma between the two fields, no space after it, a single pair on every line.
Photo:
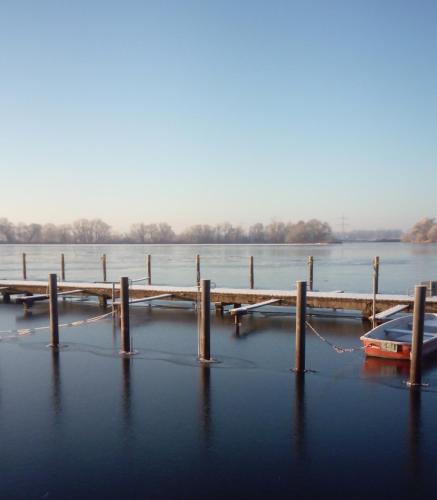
[124,316]
[251,274]
[149,269]
[104,266]
[53,305]
[24,267]
[301,287]
[62,267]
[205,322]
[310,272]
[198,269]
[417,341]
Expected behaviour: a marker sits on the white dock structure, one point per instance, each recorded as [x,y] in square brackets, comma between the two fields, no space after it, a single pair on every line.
[221,297]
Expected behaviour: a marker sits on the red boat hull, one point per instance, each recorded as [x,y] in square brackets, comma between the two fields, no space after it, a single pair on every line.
[374,348]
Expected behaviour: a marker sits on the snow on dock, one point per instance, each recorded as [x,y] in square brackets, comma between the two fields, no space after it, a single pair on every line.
[223,296]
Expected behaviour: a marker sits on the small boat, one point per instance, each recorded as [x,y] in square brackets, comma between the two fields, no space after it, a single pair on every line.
[393,339]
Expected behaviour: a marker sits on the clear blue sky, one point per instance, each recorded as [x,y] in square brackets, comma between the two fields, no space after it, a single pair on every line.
[201,111]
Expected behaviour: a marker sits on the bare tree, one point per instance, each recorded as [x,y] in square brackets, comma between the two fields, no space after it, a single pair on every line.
[7,230]
[421,231]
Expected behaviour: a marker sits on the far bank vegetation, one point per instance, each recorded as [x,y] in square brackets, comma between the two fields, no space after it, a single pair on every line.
[89,231]
[424,231]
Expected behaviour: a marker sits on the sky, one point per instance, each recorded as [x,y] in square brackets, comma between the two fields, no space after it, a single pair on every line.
[198,111]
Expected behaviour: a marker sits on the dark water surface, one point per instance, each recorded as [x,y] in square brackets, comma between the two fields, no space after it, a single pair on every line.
[86,423]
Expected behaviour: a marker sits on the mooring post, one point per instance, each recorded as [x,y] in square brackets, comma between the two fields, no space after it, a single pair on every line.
[124,316]
[301,298]
[251,276]
[376,275]
[53,305]
[62,267]
[198,270]
[149,269]
[112,301]
[310,272]
[24,267]
[375,285]
[417,341]
[205,325]
[104,266]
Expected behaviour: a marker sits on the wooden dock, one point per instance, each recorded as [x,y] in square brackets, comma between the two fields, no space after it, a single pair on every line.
[219,296]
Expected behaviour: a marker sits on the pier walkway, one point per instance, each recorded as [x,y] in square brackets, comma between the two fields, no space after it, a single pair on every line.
[219,296]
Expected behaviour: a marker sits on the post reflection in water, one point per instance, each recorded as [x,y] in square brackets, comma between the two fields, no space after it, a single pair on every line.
[205,402]
[415,430]
[299,418]
[126,390]
[56,383]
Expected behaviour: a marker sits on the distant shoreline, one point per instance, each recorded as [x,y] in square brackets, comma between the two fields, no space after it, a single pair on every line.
[320,244]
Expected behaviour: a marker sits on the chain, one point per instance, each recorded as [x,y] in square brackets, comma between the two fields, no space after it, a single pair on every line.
[27,331]
[337,349]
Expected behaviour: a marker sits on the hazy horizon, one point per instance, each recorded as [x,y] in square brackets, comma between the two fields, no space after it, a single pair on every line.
[204,112]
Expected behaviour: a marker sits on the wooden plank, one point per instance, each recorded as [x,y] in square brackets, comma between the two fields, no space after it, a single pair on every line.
[245,309]
[43,296]
[146,299]
[390,312]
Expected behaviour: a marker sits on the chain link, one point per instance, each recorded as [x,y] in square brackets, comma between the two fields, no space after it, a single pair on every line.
[337,349]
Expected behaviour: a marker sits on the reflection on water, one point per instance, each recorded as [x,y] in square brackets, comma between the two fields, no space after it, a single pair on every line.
[299,408]
[380,367]
[415,430]
[56,383]
[205,401]
[126,362]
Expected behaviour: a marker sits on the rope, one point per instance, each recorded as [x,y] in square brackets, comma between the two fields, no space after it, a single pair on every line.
[337,349]
[27,331]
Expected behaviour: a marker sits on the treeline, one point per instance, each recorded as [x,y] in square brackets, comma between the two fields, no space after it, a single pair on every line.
[371,235]
[97,231]
[424,231]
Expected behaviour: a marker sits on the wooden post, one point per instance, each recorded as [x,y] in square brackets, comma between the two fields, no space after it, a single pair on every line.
[417,341]
[53,304]
[301,288]
[104,266]
[310,272]
[124,309]
[205,327]
[62,267]
[376,275]
[24,267]
[198,270]
[375,285]
[251,276]
[112,301]
[149,269]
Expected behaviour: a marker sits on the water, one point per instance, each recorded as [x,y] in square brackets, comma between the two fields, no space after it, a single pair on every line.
[347,267]
[85,423]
